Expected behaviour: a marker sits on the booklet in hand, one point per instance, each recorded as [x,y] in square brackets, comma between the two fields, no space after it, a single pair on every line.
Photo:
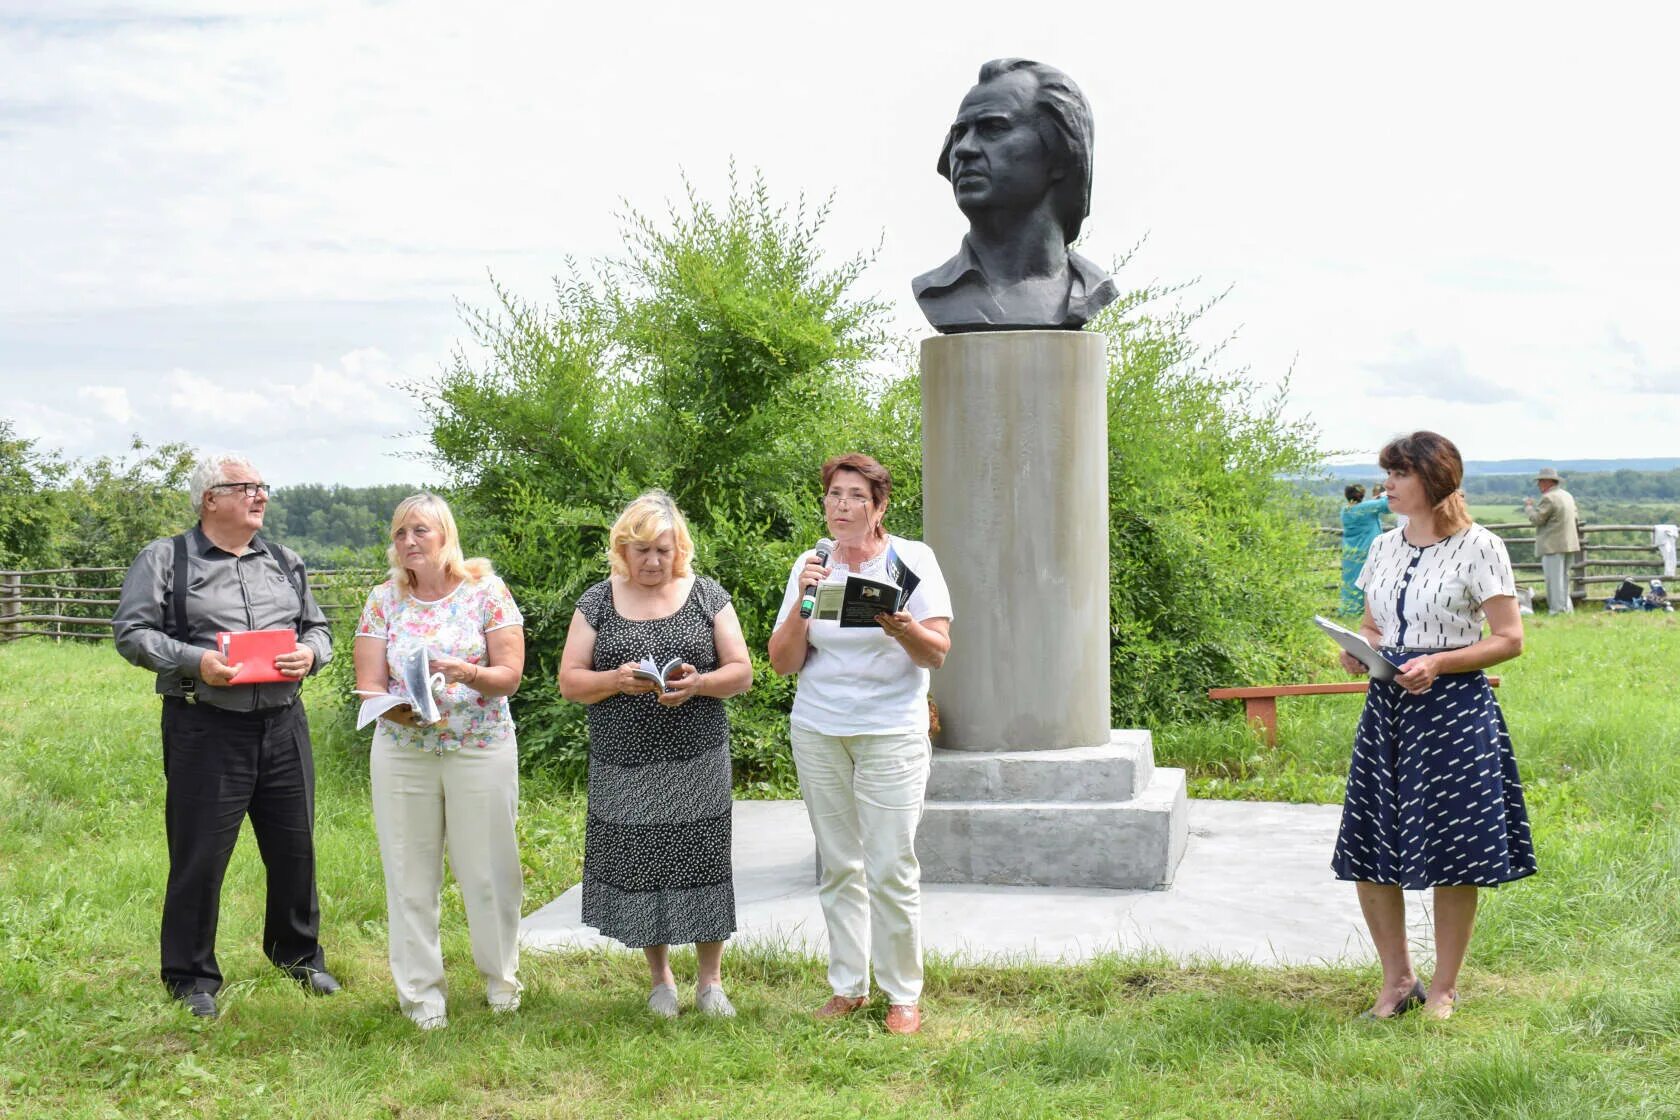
[254,652]
[376,704]
[662,675]
[418,678]
[858,600]
[1380,667]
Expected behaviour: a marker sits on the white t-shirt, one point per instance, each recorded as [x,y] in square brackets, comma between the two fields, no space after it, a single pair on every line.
[1431,597]
[856,680]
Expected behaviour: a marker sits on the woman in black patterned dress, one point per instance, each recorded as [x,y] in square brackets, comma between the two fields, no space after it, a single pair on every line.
[656,866]
[1433,796]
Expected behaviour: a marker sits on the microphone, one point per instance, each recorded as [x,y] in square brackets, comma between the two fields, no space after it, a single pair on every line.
[808,601]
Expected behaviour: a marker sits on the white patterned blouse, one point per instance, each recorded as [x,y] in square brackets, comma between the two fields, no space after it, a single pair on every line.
[1431,598]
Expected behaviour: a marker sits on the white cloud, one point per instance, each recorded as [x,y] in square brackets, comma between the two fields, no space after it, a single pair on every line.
[1414,369]
[110,401]
[356,396]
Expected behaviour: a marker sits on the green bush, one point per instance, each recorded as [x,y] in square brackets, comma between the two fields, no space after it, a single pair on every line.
[1211,570]
[719,360]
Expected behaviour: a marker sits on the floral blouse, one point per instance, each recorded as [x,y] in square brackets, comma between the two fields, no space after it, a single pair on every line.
[455,626]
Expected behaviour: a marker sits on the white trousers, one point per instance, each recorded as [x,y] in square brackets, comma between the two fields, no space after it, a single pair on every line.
[1555,565]
[469,800]
[864,796]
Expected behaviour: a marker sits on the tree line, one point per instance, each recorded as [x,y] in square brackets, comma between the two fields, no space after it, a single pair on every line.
[90,513]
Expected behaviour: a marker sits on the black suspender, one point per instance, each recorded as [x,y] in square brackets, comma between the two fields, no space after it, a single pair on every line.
[177,625]
[292,578]
[178,591]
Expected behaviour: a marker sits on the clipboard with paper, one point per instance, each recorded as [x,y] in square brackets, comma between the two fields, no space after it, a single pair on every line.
[1380,667]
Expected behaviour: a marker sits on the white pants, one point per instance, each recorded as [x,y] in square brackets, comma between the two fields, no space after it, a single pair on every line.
[864,796]
[1555,565]
[468,799]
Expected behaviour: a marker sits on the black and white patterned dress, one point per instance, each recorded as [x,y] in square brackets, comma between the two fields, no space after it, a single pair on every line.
[656,868]
[1433,795]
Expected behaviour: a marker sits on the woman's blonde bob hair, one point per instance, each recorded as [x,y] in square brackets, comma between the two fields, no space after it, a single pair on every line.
[433,511]
[643,520]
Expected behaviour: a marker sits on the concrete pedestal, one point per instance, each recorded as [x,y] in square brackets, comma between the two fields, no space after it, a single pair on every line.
[1015,505]
[1079,817]
[1030,785]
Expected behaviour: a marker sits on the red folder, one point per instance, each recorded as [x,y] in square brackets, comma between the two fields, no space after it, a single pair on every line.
[255,651]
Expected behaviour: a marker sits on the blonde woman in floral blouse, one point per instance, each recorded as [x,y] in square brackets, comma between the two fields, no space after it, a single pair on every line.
[455,781]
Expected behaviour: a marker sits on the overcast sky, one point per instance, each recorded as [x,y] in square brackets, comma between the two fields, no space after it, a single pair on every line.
[245,224]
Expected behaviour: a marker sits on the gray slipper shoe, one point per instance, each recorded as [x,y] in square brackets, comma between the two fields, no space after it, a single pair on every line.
[713,1003]
[662,1001]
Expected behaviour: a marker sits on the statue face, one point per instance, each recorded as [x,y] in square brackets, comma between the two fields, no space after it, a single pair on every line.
[998,157]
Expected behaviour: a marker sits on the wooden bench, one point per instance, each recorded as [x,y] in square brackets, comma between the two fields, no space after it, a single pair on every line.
[1260,701]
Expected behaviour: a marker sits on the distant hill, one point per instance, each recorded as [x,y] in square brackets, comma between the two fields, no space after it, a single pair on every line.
[1358,472]
[1601,484]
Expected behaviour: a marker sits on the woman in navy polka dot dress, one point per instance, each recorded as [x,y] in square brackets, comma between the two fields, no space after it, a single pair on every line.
[1433,797]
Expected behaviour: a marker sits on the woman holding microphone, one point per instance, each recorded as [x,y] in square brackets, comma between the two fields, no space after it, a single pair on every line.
[860,740]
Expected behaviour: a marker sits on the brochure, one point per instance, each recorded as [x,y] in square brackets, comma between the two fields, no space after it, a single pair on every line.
[419,680]
[661,675]
[857,601]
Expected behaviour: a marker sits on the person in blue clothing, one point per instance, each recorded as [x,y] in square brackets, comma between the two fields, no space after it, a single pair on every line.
[1361,524]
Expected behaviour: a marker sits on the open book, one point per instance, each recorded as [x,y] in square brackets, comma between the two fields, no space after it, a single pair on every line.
[661,675]
[858,600]
[419,680]
[1380,667]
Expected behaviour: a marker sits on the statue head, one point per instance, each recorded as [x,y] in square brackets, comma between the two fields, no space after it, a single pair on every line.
[1022,133]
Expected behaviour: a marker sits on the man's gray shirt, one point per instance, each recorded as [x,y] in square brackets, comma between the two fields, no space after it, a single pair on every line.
[254,591]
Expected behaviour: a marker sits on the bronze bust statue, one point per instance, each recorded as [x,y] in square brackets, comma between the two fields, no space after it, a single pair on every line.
[1019,160]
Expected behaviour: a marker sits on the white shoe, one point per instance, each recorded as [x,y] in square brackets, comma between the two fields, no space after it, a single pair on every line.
[662,1001]
[713,1003]
[504,1005]
[428,1022]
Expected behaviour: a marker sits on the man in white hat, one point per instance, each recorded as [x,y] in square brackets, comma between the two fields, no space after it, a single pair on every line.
[1555,536]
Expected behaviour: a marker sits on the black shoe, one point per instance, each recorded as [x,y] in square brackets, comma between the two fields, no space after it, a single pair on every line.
[1414,999]
[201,1004]
[320,982]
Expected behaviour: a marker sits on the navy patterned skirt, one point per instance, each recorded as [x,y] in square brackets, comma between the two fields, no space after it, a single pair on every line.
[1433,797]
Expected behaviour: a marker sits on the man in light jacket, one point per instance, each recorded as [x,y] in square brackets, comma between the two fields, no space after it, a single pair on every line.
[1555,537]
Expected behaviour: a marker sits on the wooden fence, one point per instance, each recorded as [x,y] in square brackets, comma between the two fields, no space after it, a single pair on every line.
[64,603]
[1609,554]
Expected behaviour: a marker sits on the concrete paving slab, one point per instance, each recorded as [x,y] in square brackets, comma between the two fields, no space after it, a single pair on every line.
[1255,886]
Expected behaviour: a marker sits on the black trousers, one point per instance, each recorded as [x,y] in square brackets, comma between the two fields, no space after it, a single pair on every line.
[221,765]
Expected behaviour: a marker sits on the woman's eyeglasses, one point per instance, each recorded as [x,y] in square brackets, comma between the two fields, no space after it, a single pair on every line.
[844,501]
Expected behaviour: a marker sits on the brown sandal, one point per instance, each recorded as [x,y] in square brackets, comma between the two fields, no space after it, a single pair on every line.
[839,1006]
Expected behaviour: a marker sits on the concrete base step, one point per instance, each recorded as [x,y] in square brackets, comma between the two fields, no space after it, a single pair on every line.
[1113,771]
[1133,843]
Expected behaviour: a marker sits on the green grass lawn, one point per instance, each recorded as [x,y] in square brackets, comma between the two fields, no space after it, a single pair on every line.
[1571,1008]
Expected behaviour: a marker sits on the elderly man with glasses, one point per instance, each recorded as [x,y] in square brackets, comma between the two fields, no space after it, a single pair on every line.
[230,748]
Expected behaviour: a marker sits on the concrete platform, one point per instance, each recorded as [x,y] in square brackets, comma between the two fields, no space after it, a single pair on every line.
[1254,885]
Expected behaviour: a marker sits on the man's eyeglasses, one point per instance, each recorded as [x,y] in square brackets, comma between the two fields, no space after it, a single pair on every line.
[249,489]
